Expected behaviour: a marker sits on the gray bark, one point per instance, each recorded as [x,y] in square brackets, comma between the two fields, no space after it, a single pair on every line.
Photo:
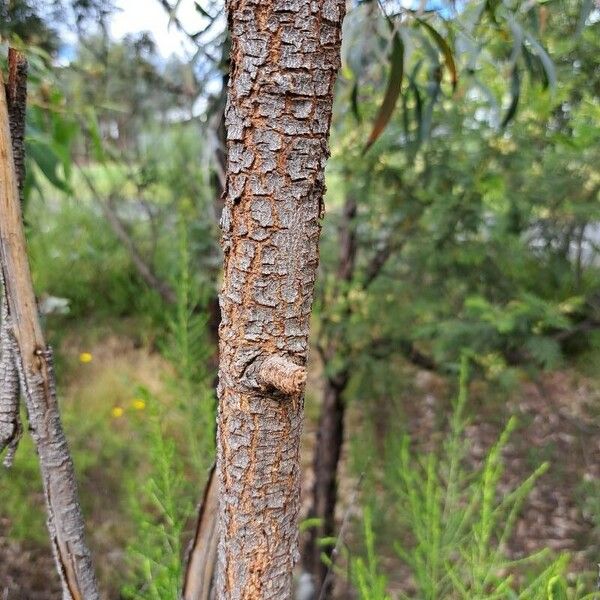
[10,422]
[284,60]
[36,378]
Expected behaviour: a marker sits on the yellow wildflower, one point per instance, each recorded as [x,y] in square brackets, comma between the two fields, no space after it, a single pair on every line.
[138,404]
[85,357]
[117,412]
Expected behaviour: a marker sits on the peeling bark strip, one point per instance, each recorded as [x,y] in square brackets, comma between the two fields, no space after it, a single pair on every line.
[34,363]
[11,429]
[10,422]
[202,557]
[284,60]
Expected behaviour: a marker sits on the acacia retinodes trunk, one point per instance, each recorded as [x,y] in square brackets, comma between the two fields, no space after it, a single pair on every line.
[284,61]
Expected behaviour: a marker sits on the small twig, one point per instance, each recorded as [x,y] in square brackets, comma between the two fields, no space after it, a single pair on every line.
[192,36]
[144,269]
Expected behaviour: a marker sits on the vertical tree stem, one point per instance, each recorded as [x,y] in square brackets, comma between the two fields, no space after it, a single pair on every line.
[284,61]
[10,422]
[34,363]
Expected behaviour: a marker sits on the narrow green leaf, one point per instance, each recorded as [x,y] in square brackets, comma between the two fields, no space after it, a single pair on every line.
[47,160]
[392,92]
[557,588]
[418,113]
[545,60]
[354,103]
[95,135]
[434,92]
[445,49]
[515,90]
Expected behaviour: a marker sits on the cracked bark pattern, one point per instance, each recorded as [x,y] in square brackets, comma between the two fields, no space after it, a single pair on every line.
[10,422]
[16,99]
[36,377]
[284,61]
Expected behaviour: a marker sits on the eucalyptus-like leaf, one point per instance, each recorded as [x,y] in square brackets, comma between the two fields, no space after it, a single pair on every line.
[354,103]
[445,49]
[515,91]
[545,60]
[392,92]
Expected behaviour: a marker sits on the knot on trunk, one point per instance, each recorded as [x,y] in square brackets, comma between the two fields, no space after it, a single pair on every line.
[282,374]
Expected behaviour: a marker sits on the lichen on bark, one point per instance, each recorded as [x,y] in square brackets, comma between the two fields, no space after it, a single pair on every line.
[284,61]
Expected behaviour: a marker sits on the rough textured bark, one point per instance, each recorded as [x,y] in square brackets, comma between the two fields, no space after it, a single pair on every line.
[16,99]
[36,378]
[284,60]
[10,422]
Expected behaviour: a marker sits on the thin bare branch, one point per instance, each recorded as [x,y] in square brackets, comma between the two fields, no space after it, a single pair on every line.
[143,268]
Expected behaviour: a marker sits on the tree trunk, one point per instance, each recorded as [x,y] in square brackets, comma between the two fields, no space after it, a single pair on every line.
[36,377]
[330,432]
[284,60]
[328,448]
[10,422]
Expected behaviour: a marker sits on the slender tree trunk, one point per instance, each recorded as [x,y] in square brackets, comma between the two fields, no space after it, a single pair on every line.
[10,422]
[330,432]
[328,449]
[284,60]
[36,377]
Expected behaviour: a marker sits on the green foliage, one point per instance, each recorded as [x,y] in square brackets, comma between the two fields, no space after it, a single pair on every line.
[454,523]
[163,507]
[190,352]
[491,232]
[21,496]
[74,256]
[370,582]
[159,511]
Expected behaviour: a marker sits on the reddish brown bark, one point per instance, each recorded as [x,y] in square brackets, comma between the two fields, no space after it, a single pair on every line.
[284,60]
